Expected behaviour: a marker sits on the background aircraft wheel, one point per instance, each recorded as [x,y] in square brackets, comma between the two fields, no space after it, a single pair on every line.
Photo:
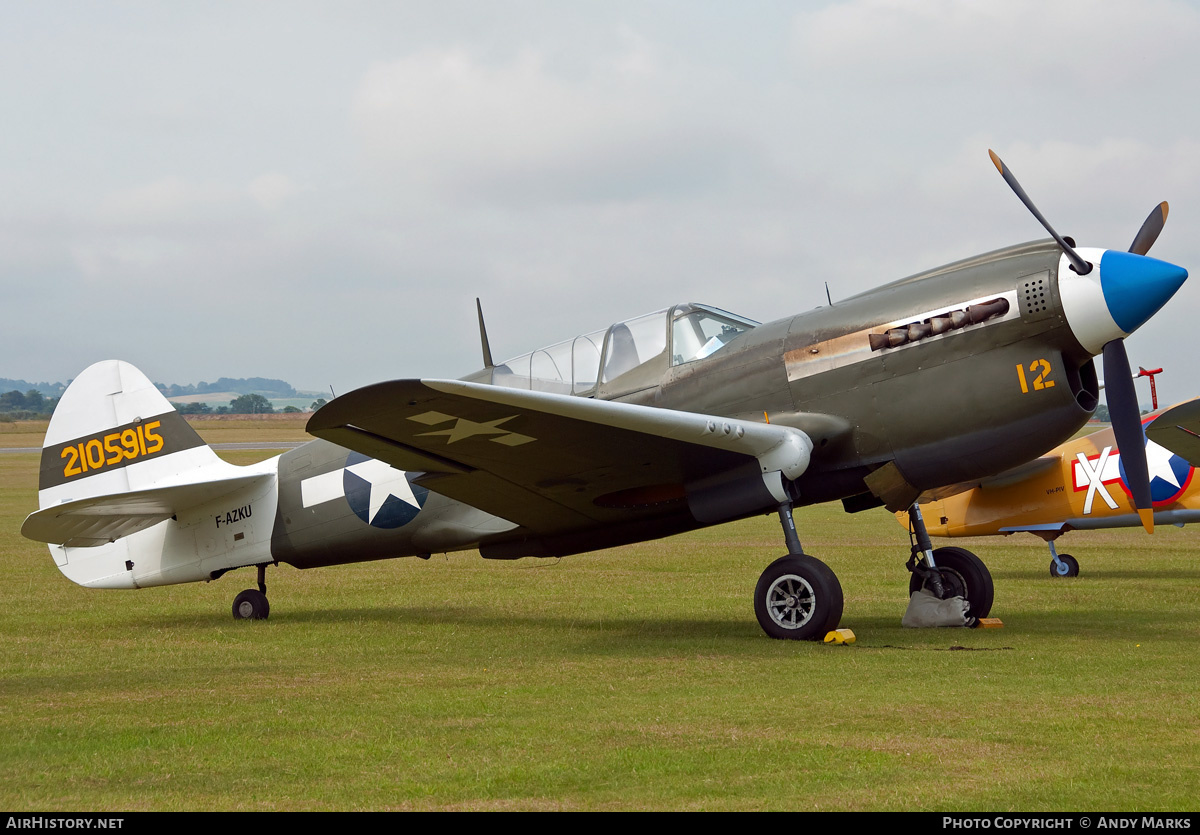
[798,598]
[251,605]
[963,575]
[1069,566]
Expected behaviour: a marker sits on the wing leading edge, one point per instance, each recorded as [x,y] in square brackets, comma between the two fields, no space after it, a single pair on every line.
[554,463]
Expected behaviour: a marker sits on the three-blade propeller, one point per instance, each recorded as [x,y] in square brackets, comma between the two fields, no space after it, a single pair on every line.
[1118,378]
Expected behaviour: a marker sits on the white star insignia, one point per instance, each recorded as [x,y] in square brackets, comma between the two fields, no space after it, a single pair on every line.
[385,481]
[1158,460]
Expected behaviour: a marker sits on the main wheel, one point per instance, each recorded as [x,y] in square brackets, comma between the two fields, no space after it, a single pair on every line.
[798,598]
[963,575]
[251,604]
[1069,566]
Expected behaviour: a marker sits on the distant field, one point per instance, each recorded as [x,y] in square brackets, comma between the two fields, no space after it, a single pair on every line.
[240,429]
[22,433]
[634,678]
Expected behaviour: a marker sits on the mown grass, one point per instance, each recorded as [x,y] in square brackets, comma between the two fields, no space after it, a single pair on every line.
[628,679]
[249,430]
[22,433]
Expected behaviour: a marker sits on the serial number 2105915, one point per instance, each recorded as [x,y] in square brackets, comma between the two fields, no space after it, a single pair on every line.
[111,449]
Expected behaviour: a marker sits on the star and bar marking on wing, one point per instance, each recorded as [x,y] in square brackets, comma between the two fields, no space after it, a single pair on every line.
[464,428]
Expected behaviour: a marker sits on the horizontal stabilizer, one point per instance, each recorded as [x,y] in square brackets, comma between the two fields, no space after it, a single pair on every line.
[97,520]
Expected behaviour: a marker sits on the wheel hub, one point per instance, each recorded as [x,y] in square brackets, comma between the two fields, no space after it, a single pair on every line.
[791,601]
[953,584]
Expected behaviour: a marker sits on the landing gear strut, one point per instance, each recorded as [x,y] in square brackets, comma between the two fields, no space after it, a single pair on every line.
[1062,565]
[252,604]
[948,572]
[798,597]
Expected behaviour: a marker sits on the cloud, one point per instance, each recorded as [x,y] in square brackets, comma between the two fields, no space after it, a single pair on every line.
[271,191]
[167,200]
[1080,44]
[445,121]
[183,227]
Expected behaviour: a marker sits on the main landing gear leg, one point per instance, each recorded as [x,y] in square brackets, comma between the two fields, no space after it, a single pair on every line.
[922,563]
[948,572]
[798,597]
[1062,565]
[252,604]
[789,530]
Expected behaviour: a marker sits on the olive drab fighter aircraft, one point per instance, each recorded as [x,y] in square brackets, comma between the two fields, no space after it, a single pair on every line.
[1080,485]
[659,424]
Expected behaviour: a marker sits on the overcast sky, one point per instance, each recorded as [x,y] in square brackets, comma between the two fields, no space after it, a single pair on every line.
[318,191]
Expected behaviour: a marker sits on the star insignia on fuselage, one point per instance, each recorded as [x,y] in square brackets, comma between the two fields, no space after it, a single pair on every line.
[1158,460]
[380,495]
[1170,474]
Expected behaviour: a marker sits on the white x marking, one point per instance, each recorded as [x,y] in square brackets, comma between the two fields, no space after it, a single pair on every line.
[1094,480]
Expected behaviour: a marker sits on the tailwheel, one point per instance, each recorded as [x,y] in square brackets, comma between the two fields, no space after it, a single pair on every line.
[1064,566]
[251,604]
[798,598]
[962,575]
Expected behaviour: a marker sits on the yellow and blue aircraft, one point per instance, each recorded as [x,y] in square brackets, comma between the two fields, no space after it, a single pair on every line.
[1081,485]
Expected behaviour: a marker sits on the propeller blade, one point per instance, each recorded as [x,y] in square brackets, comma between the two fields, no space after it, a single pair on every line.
[1150,230]
[1127,428]
[1082,267]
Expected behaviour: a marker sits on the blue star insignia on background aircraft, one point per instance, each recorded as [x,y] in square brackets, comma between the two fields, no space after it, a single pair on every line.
[659,424]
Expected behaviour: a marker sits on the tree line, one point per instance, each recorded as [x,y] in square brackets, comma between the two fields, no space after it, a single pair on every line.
[237,385]
[248,404]
[17,406]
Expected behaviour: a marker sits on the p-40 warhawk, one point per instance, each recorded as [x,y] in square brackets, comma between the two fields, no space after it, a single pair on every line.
[664,423]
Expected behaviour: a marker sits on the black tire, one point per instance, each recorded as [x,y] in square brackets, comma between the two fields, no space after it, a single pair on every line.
[251,604]
[1071,566]
[963,575]
[798,598]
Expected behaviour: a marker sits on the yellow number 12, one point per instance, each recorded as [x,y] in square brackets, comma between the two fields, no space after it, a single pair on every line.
[1041,381]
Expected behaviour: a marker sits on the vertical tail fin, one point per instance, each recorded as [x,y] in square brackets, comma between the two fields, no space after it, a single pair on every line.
[114,432]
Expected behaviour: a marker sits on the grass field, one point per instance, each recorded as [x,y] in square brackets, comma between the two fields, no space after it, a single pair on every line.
[627,679]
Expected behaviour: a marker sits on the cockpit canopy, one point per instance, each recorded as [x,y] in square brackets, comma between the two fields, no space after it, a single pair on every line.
[627,356]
